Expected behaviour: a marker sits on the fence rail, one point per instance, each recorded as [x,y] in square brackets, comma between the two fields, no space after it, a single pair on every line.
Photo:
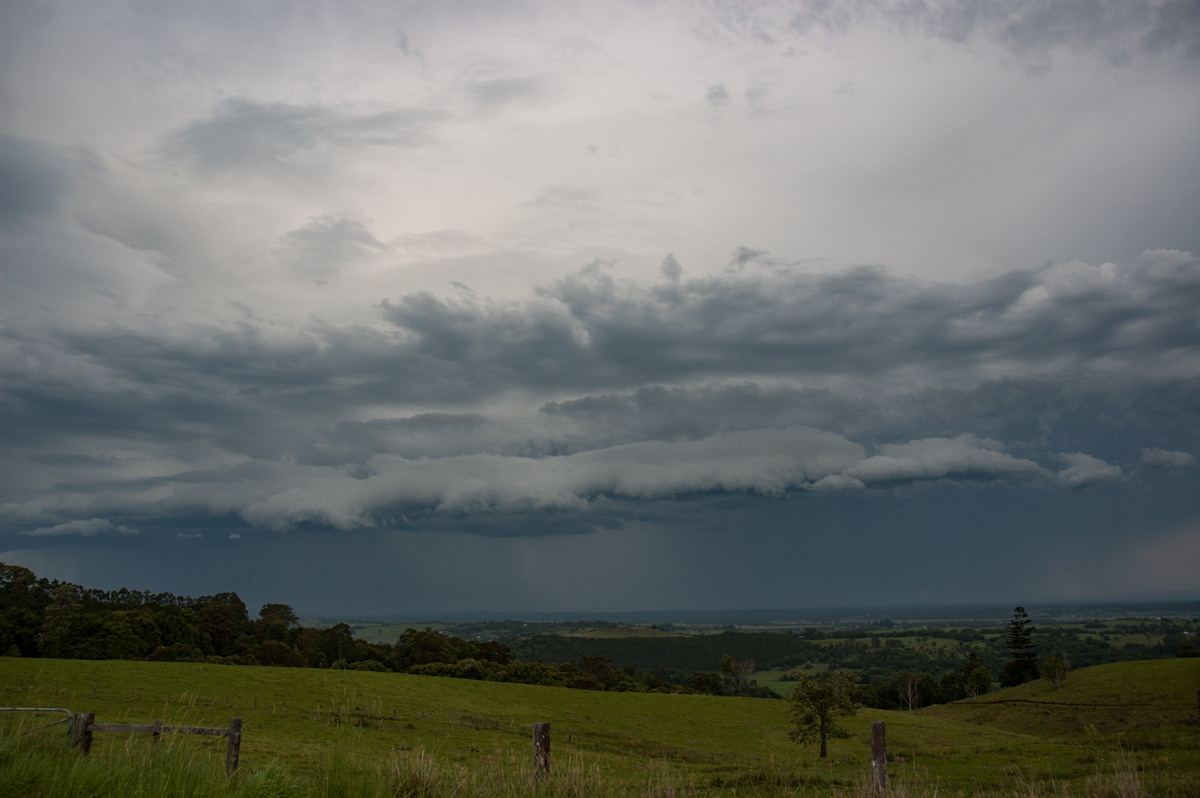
[36,709]
[84,726]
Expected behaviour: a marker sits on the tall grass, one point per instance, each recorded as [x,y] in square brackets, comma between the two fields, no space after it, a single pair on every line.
[322,733]
[33,763]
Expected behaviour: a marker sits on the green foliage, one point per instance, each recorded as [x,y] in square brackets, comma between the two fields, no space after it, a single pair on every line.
[817,703]
[1023,665]
[897,667]
[1053,669]
[278,613]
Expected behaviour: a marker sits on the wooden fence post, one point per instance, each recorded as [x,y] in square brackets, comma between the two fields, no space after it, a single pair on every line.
[541,749]
[81,731]
[879,774]
[157,731]
[234,751]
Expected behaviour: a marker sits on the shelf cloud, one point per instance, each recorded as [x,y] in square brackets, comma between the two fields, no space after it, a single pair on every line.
[497,286]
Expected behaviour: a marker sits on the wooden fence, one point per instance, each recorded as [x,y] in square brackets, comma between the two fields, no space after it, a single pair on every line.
[84,726]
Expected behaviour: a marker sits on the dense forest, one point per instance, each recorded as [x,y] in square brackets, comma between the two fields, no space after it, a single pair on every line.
[895,668]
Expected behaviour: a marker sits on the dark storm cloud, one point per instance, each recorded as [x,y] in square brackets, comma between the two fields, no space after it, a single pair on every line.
[589,329]
[764,382]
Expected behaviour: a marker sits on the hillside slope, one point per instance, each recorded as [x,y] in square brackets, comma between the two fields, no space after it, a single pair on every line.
[1126,698]
[302,717]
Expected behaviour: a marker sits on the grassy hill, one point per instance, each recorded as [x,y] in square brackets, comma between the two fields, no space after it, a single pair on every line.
[1131,720]
[1149,701]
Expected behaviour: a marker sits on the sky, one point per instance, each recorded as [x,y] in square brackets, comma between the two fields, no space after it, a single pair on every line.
[404,307]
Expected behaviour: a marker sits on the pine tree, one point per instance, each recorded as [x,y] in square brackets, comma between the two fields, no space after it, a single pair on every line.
[1023,667]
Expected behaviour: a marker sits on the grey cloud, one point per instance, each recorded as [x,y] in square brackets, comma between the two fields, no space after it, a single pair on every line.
[1084,469]
[85,528]
[744,255]
[320,248]
[766,462]
[1029,29]
[830,16]
[758,98]
[32,182]
[409,51]
[501,91]
[940,458]
[762,383]
[1056,326]
[589,331]
[432,435]
[278,139]
[572,198]
[671,268]
[439,240]
[717,95]
[1167,458]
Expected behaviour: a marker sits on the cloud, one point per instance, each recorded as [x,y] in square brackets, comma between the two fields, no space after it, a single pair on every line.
[717,95]
[762,383]
[280,140]
[82,528]
[1166,458]
[762,462]
[496,92]
[962,457]
[1084,469]
[32,179]
[588,328]
[1028,29]
[319,249]
[365,281]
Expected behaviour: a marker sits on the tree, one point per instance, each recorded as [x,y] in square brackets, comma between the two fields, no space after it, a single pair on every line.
[337,643]
[979,680]
[274,621]
[280,613]
[1053,669]
[273,652]
[223,620]
[1023,665]
[59,618]
[735,675]
[422,647]
[817,702]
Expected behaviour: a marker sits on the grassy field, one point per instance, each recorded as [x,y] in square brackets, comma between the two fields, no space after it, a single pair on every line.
[1131,723]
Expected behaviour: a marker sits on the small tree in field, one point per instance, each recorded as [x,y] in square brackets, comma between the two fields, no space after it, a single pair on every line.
[1053,669]
[817,703]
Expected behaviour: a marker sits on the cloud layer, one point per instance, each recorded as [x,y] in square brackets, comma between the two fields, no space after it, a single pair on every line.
[521,283]
[763,381]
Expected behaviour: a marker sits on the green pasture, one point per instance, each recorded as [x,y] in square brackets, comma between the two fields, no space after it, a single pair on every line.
[1132,720]
[624,631]
[387,633]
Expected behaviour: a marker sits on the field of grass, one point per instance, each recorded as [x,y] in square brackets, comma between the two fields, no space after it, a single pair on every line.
[1116,724]
[387,633]
[622,630]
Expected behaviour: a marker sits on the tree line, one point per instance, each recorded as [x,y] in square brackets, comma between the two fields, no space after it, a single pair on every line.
[48,618]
